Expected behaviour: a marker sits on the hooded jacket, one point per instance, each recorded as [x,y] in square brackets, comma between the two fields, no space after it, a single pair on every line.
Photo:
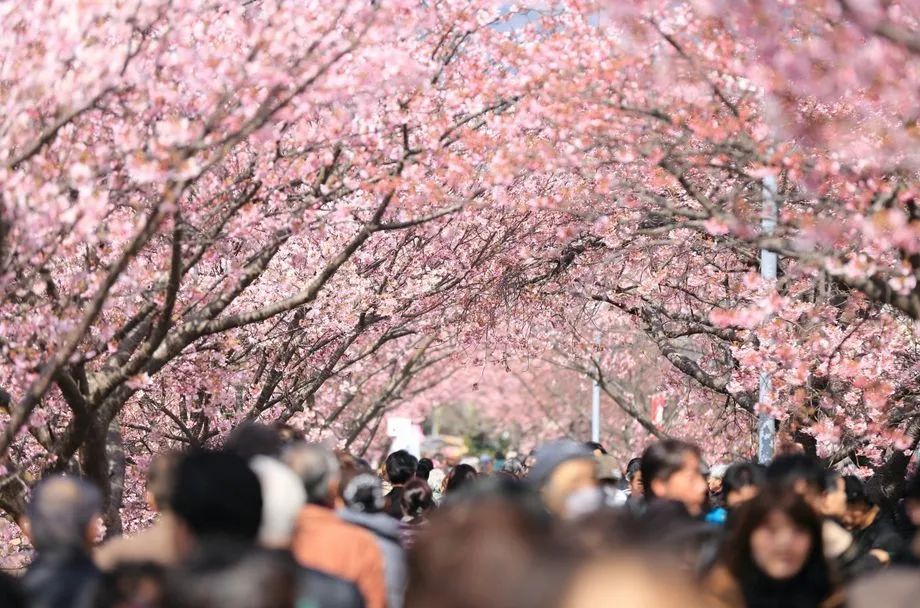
[388,533]
[61,578]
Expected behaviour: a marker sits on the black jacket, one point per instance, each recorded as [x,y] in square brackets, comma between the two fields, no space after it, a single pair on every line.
[857,561]
[881,534]
[65,578]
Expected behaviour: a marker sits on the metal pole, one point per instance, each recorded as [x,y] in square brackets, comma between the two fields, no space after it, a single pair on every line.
[596,412]
[766,424]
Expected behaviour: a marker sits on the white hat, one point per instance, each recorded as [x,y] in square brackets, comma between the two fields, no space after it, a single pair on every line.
[283,496]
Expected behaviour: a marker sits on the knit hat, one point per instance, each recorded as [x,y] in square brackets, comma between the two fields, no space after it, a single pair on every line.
[608,467]
[550,455]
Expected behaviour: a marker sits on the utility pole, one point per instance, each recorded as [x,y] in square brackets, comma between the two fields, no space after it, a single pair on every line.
[596,412]
[766,424]
[596,393]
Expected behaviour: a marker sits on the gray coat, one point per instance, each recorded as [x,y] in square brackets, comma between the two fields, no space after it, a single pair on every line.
[387,532]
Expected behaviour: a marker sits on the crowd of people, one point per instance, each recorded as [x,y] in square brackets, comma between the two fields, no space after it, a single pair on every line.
[271,521]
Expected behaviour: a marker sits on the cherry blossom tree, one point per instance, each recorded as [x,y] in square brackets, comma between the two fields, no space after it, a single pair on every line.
[315,213]
[682,124]
[807,105]
[223,211]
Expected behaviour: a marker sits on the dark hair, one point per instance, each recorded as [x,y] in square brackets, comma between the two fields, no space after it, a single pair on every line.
[505,526]
[417,498]
[217,494]
[223,574]
[401,467]
[254,439]
[461,475]
[131,584]
[288,433]
[424,468]
[813,582]
[11,594]
[829,481]
[741,475]
[664,458]
[790,469]
[634,466]
[856,491]
[593,445]
[513,468]
[912,489]
[161,478]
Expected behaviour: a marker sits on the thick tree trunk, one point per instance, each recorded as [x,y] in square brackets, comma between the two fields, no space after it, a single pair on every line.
[115,453]
[12,499]
[886,486]
[94,462]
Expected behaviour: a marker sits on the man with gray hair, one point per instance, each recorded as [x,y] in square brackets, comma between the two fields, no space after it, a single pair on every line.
[62,521]
[324,541]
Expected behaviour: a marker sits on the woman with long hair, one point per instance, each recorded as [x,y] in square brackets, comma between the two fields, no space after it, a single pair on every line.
[774,557]
[460,476]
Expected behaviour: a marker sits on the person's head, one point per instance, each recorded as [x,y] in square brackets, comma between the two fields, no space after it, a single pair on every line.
[608,469]
[417,498]
[318,470]
[564,472]
[530,460]
[400,467]
[283,497]
[801,473]
[288,433]
[362,492]
[912,510]
[502,524]
[161,477]
[629,581]
[716,477]
[357,495]
[486,464]
[224,574]
[459,476]
[131,585]
[423,469]
[778,539]
[64,514]
[513,467]
[859,509]
[437,479]
[912,500]
[216,495]
[634,476]
[741,483]
[833,499]
[671,471]
[254,439]
[596,448]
